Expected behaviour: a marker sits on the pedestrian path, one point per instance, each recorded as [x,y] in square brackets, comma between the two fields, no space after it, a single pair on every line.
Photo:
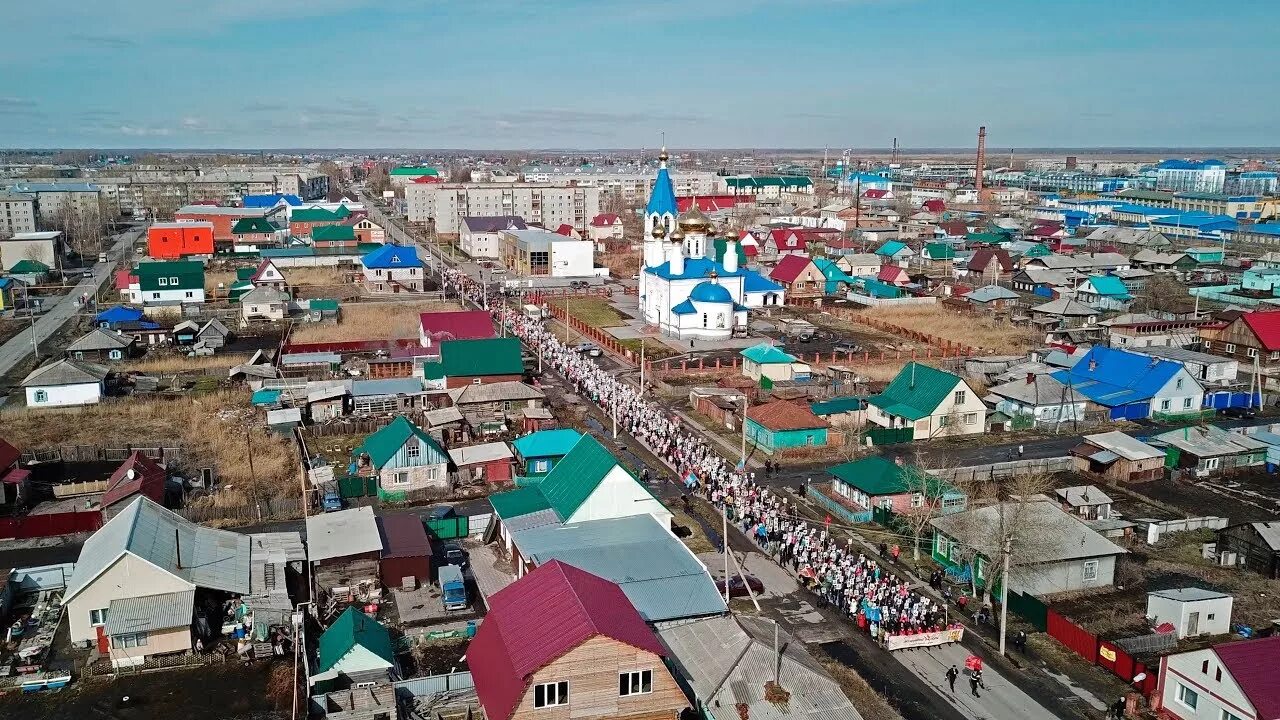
[1000,700]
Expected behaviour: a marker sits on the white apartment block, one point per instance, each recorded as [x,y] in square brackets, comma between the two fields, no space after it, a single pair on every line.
[548,205]
[633,187]
[51,198]
[17,213]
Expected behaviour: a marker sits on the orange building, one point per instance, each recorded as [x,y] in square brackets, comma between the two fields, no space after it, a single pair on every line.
[180,239]
[223,218]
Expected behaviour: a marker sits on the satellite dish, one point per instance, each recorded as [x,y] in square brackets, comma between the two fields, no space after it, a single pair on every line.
[130,473]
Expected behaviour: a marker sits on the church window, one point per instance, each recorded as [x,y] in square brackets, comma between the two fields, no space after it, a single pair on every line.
[704,319]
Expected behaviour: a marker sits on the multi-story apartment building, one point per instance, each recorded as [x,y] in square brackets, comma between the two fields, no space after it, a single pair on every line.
[1237,206]
[1253,182]
[17,213]
[632,188]
[52,199]
[1205,176]
[540,203]
[140,191]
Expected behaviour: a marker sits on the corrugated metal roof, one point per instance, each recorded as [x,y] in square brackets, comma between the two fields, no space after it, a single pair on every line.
[1252,664]
[1127,447]
[656,571]
[211,558]
[386,386]
[150,612]
[342,533]
[547,443]
[979,528]
[728,660]
[1189,594]
[916,392]
[487,452]
[513,643]
[577,475]
[1210,441]
[403,535]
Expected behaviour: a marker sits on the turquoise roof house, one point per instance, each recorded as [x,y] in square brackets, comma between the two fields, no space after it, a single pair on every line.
[538,452]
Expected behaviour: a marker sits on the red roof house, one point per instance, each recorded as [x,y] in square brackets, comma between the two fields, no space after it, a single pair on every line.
[558,631]
[799,276]
[1265,325]
[1048,231]
[875,194]
[990,261]
[713,203]
[606,220]
[894,275]
[935,205]
[954,228]
[138,475]
[566,230]
[436,327]
[1228,680]
[123,279]
[428,179]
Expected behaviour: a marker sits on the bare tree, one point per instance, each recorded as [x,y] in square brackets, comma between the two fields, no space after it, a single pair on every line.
[330,168]
[929,491]
[378,182]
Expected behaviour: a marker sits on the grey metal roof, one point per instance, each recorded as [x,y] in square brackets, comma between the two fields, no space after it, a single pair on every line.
[1210,441]
[1043,390]
[342,533]
[480,453]
[66,372]
[150,612]
[386,386]
[990,293]
[1127,447]
[980,528]
[493,392]
[1182,355]
[264,294]
[268,589]
[727,660]
[284,416]
[537,518]
[443,416]
[1189,594]
[210,558]
[1269,532]
[327,393]
[656,571]
[1065,307]
[313,358]
[102,339]
[1083,495]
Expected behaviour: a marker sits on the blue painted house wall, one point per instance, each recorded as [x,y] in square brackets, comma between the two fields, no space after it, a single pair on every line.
[771,441]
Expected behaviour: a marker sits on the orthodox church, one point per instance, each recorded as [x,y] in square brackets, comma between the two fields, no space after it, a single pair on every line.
[694,284]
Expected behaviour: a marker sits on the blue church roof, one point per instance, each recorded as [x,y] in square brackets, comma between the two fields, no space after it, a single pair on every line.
[755,282]
[693,268]
[392,257]
[684,308]
[710,292]
[663,198]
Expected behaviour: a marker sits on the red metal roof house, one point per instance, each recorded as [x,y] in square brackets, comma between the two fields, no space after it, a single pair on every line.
[563,638]
[800,277]
[139,475]
[436,327]
[1229,680]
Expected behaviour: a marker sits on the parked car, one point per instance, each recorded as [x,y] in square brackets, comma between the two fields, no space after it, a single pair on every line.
[455,555]
[738,589]
[440,512]
[579,284]
[589,349]
[1239,412]
[847,346]
[331,502]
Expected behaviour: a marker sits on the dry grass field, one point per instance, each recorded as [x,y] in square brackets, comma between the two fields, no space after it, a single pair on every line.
[176,363]
[215,429]
[378,320]
[989,334]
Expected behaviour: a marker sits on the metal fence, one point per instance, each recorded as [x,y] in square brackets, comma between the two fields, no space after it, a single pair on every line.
[1003,470]
[433,684]
[819,495]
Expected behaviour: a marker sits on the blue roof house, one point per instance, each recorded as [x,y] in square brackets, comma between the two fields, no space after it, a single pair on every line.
[835,277]
[271,200]
[1133,386]
[540,451]
[896,251]
[393,269]
[1104,292]
[760,291]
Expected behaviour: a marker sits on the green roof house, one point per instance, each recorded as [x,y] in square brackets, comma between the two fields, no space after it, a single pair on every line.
[938,252]
[333,235]
[355,649]
[403,457]
[315,215]
[169,283]
[834,276]
[876,482]
[540,451]
[588,483]
[254,226]
[766,360]
[30,271]
[475,362]
[924,402]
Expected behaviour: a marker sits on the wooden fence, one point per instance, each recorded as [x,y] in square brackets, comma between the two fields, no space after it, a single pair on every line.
[166,453]
[270,509]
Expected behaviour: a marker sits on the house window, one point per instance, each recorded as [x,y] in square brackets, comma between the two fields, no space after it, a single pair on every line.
[1231,347]
[1228,716]
[1187,696]
[173,281]
[639,682]
[155,296]
[1177,384]
[42,396]
[541,466]
[958,397]
[1090,570]
[1275,354]
[190,294]
[551,694]
[413,450]
[114,354]
[1186,403]
[400,478]
[970,418]
[917,500]
[98,617]
[1164,404]
[1208,345]
[1251,352]
[432,473]
[1212,463]
[129,640]
[162,282]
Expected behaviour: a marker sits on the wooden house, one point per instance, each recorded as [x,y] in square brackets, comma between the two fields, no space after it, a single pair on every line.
[403,458]
[1118,457]
[1254,546]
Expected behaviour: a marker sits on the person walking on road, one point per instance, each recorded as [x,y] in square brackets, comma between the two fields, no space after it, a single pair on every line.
[973,684]
[952,674]
[1020,452]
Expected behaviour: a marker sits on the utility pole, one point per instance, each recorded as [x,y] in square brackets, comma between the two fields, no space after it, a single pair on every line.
[642,339]
[724,544]
[746,400]
[1004,590]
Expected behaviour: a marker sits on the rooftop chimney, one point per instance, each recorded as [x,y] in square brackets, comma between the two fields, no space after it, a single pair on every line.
[1031,377]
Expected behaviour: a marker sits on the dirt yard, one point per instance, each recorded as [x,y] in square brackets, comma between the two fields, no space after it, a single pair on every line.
[215,429]
[177,363]
[377,320]
[989,334]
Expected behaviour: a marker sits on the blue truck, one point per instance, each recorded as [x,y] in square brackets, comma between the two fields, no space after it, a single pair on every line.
[453,588]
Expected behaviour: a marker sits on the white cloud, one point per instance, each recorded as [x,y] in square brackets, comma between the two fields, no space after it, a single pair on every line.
[137,131]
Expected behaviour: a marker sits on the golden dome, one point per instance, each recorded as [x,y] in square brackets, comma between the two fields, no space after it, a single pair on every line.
[676,235]
[659,231]
[663,156]
[694,219]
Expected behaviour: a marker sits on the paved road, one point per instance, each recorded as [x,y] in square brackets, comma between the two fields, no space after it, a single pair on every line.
[59,311]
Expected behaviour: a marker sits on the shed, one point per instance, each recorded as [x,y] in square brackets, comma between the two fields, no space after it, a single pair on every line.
[540,451]
[1254,546]
[406,550]
[1191,611]
[490,462]
[356,649]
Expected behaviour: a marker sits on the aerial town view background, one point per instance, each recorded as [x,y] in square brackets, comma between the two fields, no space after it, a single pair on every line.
[523,365]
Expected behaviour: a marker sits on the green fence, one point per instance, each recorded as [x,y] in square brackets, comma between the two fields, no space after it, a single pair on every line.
[353,486]
[448,528]
[891,436]
[392,496]
[1030,608]
[1023,422]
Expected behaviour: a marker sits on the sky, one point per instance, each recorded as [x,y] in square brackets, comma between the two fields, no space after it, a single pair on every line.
[514,74]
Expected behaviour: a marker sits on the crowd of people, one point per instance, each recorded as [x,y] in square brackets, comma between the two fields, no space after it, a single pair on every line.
[878,601]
